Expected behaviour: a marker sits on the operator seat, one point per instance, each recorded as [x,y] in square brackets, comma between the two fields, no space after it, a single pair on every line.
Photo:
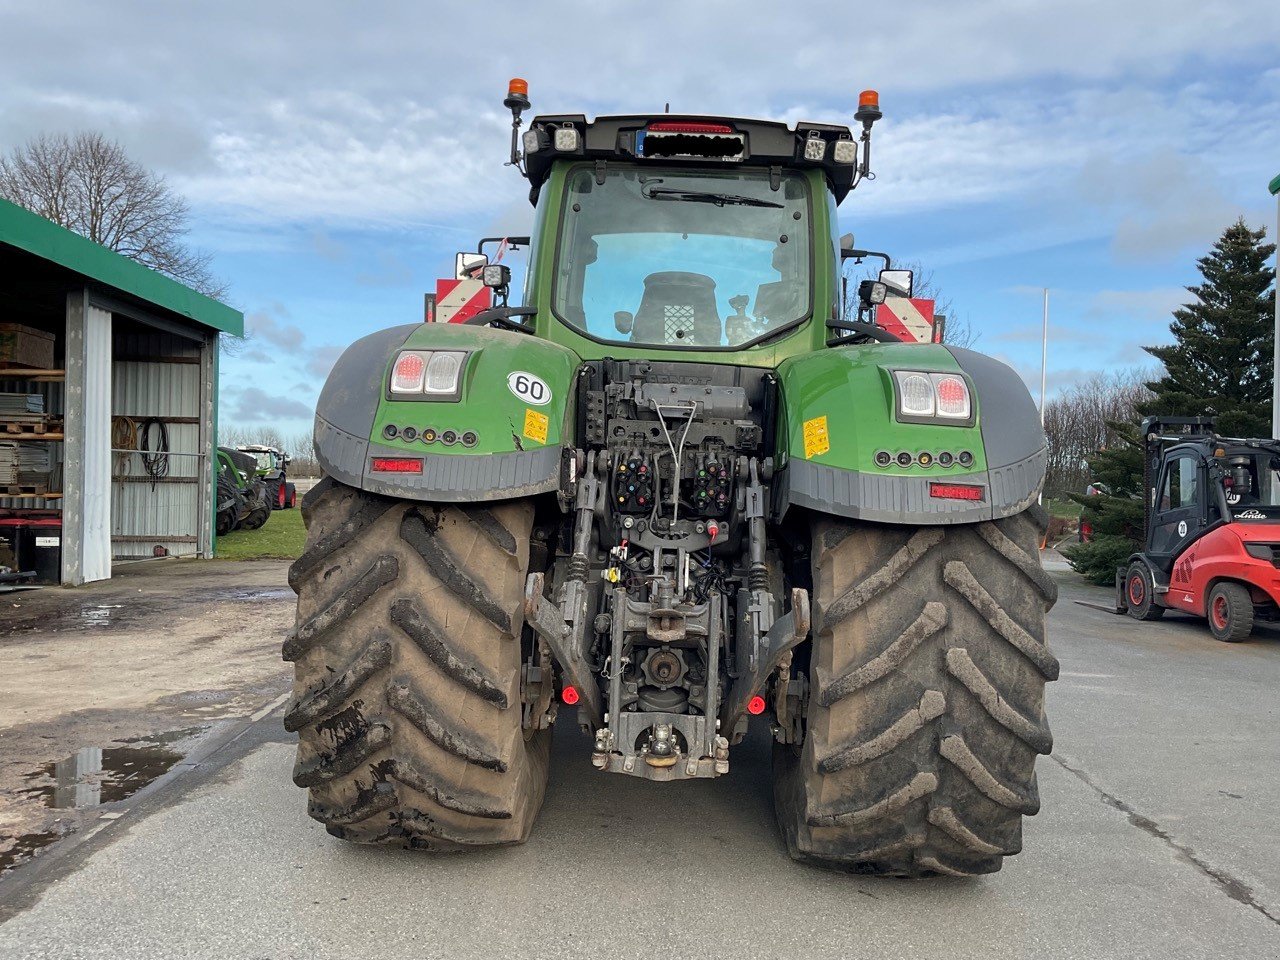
[779,302]
[678,308]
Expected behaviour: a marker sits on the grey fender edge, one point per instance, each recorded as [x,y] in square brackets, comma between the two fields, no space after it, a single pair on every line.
[445,478]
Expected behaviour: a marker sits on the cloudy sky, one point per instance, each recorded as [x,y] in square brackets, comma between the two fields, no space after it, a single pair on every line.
[336,155]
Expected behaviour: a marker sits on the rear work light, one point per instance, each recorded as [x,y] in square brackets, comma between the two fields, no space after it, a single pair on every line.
[933,397]
[397,464]
[956,491]
[427,374]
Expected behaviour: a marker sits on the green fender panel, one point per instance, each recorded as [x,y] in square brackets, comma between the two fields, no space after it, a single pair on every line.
[513,403]
[838,409]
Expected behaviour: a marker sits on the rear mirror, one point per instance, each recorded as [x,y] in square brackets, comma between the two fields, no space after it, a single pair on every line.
[899,282]
[846,243]
[467,266]
[624,320]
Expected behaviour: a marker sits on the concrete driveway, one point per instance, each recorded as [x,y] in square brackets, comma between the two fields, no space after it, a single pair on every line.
[1157,839]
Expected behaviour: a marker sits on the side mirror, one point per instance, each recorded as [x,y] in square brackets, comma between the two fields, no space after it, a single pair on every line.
[846,244]
[624,320]
[899,282]
[467,265]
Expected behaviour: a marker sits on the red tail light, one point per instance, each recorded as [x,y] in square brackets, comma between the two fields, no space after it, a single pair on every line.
[684,126]
[397,464]
[755,706]
[569,696]
[956,491]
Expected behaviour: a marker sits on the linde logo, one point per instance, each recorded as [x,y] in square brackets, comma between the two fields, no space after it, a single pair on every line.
[1251,515]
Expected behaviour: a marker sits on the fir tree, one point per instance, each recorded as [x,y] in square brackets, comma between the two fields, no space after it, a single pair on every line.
[1116,516]
[1221,360]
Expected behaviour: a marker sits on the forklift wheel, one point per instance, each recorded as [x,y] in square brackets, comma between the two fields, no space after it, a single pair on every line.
[1230,610]
[1140,593]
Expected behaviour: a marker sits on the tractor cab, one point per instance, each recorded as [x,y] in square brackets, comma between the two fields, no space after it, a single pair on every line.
[1211,524]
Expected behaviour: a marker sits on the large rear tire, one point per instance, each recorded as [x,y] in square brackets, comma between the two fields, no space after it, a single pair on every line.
[927,707]
[407,652]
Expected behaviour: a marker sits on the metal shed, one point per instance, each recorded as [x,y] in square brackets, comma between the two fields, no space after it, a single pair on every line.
[129,398]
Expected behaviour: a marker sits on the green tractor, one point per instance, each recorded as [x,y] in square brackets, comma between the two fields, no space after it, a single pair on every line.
[272,467]
[243,502]
[678,489]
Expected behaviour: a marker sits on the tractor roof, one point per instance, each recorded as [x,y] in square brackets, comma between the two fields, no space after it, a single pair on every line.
[764,143]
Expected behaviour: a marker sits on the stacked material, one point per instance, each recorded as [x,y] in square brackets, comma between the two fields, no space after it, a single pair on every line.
[21,403]
[8,464]
[33,464]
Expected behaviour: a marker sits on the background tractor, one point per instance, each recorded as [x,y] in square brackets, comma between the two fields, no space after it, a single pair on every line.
[243,502]
[272,467]
[677,488]
[1211,528]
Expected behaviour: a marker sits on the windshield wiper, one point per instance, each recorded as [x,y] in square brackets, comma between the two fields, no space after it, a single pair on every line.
[697,196]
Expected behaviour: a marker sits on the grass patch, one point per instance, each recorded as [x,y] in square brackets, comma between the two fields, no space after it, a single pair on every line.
[1063,508]
[280,538]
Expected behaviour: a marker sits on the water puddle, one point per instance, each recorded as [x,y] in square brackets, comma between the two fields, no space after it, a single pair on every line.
[98,615]
[93,776]
[267,593]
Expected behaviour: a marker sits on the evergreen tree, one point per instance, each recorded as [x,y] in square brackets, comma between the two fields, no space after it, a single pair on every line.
[1221,360]
[1116,516]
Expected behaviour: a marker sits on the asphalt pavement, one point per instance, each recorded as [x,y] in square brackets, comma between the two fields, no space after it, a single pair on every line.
[1157,839]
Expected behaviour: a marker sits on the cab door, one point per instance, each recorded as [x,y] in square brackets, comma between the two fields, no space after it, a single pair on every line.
[1179,514]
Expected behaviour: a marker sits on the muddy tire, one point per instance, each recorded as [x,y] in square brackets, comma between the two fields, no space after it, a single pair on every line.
[407,650]
[926,711]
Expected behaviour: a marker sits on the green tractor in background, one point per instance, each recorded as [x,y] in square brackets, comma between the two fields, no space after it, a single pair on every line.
[271,466]
[243,501]
[678,488]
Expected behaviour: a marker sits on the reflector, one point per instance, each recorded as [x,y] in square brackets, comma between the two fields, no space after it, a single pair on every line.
[755,706]
[397,464]
[956,491]
[569,696]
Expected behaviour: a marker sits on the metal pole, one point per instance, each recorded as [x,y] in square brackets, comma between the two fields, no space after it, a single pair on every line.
[1275,360]
[1044,354]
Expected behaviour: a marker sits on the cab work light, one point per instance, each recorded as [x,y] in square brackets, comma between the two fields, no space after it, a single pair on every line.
[566,139]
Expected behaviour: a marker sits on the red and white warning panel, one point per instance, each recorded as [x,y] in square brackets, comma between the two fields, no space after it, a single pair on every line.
[457,301]
[910,320]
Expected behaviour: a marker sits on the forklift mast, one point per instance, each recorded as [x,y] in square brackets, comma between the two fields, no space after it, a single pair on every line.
[1158,434]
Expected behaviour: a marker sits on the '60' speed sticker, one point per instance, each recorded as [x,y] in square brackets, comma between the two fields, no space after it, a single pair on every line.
[529,388]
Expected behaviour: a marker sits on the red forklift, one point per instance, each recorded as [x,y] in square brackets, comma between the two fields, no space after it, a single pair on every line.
[1211,528]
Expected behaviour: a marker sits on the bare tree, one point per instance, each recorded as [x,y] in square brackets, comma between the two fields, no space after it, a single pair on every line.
[958,331]
[88,184]
[1075,423]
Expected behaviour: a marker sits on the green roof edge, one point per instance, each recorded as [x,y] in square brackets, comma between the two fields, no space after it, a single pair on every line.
[31,232]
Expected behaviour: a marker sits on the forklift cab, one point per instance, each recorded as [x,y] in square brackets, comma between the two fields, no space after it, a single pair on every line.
[1184,506]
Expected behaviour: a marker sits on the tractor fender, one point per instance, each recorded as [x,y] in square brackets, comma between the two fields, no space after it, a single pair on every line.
[840,422]
[511,406]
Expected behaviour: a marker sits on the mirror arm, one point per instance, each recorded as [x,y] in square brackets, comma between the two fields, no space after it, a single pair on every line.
[848,254]
[515,243]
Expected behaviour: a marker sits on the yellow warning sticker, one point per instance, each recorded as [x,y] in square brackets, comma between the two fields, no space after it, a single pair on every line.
[535,425]
[816,440]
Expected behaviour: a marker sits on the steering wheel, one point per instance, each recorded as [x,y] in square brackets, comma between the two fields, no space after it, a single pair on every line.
[501,317]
